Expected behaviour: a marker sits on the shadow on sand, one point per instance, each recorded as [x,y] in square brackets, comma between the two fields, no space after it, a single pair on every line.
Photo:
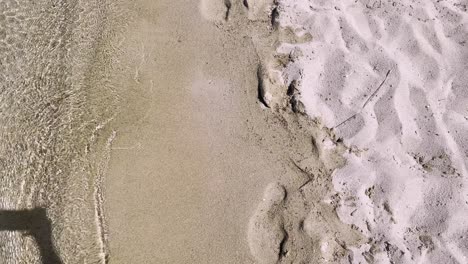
[35,223]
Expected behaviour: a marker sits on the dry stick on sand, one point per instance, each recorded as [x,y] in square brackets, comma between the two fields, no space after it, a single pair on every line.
[367,101]
[309,176]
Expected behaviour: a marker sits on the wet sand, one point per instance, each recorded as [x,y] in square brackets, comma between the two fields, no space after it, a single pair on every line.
[186,174]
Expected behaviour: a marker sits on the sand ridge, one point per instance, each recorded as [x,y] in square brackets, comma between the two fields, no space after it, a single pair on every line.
[389,78]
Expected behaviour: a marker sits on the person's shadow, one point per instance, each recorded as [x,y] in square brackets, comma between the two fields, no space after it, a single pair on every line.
[35,223]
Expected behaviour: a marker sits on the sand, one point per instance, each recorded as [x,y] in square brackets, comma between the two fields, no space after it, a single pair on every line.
[185,169]
[188,171]
[211,170]
[389,79]
[222,131]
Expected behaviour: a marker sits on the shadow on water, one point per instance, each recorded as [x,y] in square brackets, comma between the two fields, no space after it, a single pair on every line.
[36,224]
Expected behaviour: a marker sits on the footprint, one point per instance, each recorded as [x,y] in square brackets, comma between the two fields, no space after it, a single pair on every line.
[266,234]
[271,88]
[215,10]
[260,10]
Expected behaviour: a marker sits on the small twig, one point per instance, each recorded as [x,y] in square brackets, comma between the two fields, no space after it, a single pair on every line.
[367,101]
[349,118]
[299,167]
[376,90]
[309,176]
[304,184]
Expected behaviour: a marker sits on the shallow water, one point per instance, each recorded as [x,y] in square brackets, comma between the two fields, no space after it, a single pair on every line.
[56,95]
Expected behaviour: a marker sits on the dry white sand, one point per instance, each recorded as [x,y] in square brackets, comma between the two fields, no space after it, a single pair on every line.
[390,78]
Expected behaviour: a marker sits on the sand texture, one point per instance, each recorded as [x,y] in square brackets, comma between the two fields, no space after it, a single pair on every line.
[233,131]
[390,80]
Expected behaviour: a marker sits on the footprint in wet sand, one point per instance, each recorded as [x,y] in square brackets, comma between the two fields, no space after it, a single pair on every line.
[266,233]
